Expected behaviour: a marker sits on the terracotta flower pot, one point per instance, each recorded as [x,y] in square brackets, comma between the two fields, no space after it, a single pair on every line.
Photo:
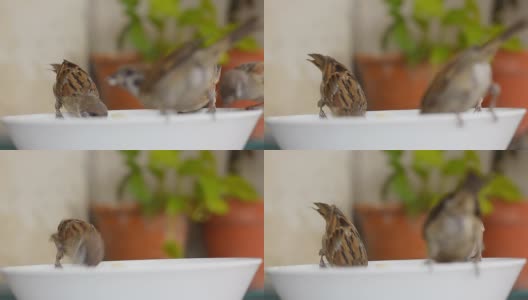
[506,234]
[129,235]
[390,83]
[240,233]
[114,97]
[510,71]
[390,234]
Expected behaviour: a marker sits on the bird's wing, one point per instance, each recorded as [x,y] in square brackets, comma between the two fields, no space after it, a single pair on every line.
[435,212]
[170,62]
[440,84]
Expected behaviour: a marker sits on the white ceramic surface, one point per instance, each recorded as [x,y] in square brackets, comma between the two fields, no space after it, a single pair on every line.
[189,279]
[398,280]
[136,130]
[402,130]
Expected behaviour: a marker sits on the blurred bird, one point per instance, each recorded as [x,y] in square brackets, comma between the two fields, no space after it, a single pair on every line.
[341,243]
[340,90]
[184,80]
[80,241]
[243,82]
[240,10]
[75,90]
[465,81]
[454,230]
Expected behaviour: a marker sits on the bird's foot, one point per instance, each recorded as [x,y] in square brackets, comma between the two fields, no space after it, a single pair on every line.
[58,265]
[59,115]
[212,111]
[460,121]
[429,263]
[493,115]
[322,114]
[478,108]
[477,269]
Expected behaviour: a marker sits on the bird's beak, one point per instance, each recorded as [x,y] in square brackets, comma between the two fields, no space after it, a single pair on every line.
[112,81]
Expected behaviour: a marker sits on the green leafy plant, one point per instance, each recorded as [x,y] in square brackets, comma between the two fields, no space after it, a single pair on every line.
[434,32]
[168,25]
[422,182]
[158,184]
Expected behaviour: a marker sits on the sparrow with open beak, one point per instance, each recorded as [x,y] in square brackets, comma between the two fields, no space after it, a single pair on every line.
[341,243]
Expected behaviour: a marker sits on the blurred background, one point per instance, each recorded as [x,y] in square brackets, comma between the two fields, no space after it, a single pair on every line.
[394,47]
[387,194]
[158,204]
[100,36]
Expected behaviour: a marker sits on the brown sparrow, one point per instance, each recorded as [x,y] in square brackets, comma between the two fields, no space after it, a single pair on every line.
[75,90]
[80,241]
[465,81]
[340,90]
[342,245]
[453,229]
[243,82]
[179,81]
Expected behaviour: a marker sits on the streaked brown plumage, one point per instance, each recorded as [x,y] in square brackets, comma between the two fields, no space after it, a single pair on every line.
[75,90]
[467,79]
[341,243]
[179,81]
[80,241]
[340,90]
[243,82]
[453,229]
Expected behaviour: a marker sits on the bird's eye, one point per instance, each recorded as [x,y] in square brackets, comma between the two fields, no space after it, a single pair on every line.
[128,72]
[137,82]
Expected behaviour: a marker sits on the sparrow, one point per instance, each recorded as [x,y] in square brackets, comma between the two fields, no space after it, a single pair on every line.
[243,82]
[184,80]
[465,81]
[76,91]
[340,89]
[80,241]
[239,10]
[341,243]
[453,230]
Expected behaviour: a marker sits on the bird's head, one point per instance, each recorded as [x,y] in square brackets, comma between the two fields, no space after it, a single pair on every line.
[128,77]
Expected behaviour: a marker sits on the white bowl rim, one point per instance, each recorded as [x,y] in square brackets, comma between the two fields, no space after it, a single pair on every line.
[178,265]
[469,115]
[306,270]
[132,117]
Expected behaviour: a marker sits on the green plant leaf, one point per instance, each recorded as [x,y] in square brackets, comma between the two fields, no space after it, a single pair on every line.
[424,161]
[176,204]
[440,54]
[163,9]
[212,191]
[502,188]
[454,167]
[139,39]
[403,189]
[173,249]
[248,44]
[239,188]
[161,160]
[424,10]
[139,189]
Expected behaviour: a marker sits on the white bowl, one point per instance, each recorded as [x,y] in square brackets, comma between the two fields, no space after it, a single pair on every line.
[402,130]
[190,279]
[405,280]
[135,129]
